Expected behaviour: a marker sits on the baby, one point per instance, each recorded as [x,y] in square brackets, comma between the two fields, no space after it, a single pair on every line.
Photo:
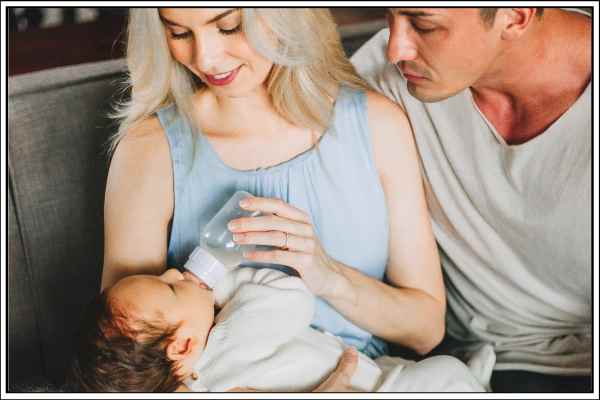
[160,334]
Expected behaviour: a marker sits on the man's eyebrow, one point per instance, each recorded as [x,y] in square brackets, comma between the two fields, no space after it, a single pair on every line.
[210,21]
[410,13]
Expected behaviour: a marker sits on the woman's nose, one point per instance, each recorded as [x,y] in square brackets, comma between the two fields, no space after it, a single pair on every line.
[401,46]
[207,54]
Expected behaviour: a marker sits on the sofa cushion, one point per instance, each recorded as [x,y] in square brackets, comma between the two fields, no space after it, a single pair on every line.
[58,128]
[23,333]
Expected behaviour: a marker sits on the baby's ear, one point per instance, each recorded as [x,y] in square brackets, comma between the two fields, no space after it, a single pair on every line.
[180,347]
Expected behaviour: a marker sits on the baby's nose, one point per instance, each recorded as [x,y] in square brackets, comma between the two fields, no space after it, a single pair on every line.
[172,274]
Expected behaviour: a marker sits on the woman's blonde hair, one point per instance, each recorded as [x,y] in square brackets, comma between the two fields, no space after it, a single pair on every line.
[303,43]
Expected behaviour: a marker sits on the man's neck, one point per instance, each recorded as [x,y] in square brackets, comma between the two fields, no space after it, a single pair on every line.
[537,79]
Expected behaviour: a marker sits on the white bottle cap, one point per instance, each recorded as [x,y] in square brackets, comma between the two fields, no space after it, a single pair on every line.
[205,266]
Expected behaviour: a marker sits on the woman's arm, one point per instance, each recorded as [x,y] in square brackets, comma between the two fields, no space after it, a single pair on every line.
[411,312]
[138,204]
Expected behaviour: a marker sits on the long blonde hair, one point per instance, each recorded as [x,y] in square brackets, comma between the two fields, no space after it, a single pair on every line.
[303,43]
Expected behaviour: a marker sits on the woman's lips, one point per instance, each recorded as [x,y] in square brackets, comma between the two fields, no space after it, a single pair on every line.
[222,79]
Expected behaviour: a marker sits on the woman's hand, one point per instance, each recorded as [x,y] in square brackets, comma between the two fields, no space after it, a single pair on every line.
[288,228]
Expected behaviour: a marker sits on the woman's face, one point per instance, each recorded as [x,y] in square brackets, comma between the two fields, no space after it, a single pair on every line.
[179,299]
[211,44]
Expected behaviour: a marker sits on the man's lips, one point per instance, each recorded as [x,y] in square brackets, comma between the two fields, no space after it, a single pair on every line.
[410,74]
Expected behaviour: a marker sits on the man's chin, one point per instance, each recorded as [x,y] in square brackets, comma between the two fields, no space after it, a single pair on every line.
[425,96]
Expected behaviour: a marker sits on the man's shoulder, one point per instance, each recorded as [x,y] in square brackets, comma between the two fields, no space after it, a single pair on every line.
[370,61]
[372,53]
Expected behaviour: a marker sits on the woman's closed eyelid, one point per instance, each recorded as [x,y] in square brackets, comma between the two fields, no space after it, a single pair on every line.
[182,35]
[230,31]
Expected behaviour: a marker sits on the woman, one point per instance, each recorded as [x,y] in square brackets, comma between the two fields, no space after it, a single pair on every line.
[264,100]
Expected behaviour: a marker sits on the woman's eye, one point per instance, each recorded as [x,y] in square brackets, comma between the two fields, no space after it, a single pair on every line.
[183,35]
[230,31]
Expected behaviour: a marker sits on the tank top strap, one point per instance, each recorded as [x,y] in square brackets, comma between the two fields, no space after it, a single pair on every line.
[184,143]
[351,124]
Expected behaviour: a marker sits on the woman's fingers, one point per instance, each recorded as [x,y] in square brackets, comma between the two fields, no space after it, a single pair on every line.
[276,239]
[266,223]
[283,257]
[275,206]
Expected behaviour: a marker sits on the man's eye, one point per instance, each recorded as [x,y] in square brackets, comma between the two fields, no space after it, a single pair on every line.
[183,35]
[230,31]
[419,28]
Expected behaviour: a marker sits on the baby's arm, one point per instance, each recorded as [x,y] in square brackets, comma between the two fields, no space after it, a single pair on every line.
[264,300]
[262,310]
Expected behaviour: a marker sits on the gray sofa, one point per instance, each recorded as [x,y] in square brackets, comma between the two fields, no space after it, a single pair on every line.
[57,168]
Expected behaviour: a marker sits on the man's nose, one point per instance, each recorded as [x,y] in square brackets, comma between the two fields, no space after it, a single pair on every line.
[401,46]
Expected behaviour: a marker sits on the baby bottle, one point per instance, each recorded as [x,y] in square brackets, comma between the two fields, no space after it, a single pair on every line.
[217,253]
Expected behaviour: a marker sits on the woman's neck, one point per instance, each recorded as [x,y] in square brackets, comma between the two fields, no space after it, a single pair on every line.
[235,116]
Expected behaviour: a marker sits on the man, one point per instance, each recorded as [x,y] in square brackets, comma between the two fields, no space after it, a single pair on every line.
[500,104]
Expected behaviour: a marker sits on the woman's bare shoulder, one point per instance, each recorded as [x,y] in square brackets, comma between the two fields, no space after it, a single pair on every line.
[144,142]
[147,132]
[391,134]
[384,112]
[142,157]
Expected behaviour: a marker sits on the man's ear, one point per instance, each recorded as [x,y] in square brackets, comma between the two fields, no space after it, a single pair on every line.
[181,346]
[516,21]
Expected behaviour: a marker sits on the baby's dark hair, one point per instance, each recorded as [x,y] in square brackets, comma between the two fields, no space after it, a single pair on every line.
[117,352]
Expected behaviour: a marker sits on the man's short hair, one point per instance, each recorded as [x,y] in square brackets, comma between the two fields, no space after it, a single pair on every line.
[488,14]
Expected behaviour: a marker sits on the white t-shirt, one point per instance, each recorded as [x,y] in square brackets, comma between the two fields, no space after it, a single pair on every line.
[513,224]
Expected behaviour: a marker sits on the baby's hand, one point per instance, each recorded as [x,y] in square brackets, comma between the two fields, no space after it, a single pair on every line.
[242,389]
[339,380]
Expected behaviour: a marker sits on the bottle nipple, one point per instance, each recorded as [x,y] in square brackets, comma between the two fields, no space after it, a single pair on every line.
[205,266]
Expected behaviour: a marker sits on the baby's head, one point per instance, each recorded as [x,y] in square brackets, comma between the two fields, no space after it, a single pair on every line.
[143,334]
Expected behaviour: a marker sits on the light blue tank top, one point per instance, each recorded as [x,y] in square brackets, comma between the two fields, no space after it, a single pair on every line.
[335,182]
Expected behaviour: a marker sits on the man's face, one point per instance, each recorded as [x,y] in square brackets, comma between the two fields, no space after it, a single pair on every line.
[441,51]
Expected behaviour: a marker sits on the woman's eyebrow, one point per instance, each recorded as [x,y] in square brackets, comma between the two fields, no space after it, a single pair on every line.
[168,21]
[210,21]
[222,15]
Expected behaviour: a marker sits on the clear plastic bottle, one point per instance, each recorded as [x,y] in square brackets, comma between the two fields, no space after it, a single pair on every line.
[217,253]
